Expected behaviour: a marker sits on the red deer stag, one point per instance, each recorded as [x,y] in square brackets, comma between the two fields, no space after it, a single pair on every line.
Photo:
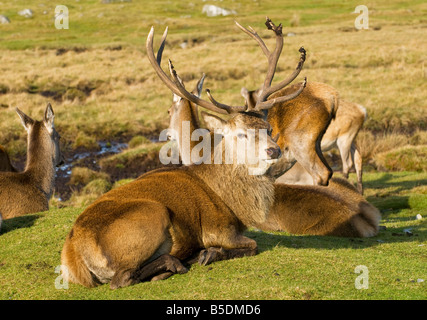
[336,210]
[146,229]
[301,122]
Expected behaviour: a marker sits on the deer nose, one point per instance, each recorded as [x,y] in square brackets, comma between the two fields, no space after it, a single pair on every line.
[274,153]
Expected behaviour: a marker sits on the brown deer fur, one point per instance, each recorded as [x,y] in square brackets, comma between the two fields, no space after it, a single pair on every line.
[148,227]
[29,191]
[335,210]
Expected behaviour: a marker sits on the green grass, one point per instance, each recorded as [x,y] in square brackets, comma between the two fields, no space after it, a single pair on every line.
[382,69]
[92,23]
[287,266]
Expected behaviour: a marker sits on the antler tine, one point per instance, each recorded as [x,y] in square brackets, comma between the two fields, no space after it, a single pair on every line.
[155,62]
[189,96]
[256,37]
[175,86]
[233,109]
[264,105]
[270,90]
[273,58]
[162,46]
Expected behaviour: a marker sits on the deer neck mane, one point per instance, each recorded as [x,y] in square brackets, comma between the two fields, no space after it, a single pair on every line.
[248,196]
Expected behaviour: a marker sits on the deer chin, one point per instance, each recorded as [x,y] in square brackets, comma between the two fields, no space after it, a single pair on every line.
[271,161]
[262,167]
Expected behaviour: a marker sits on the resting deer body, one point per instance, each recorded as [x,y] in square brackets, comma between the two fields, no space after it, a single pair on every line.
[29,191]
[146,229]
[336,210]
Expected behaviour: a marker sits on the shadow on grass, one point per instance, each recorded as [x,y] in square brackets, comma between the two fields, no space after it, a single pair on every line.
[388,200]
[268,241]
[385,181]
[18,223]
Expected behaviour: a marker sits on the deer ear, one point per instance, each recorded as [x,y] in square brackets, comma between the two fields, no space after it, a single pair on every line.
[199,86]
[26,121]
[48,118]
[245,93]
[213,123]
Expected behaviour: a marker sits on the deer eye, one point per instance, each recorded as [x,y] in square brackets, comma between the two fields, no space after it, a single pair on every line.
[242,135]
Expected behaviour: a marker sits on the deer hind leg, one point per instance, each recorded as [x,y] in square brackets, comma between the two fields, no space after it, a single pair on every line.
[241,247]
[345,145]
[358,166]
[144,237]
[161,268]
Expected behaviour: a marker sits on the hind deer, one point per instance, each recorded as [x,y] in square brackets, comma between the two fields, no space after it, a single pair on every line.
[146,229]
[341,133]
[5,164]
[29,191]
[336,210]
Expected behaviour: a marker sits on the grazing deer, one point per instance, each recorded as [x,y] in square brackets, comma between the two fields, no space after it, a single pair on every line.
[29,191]
[5,164]
[147,228]
[341,133]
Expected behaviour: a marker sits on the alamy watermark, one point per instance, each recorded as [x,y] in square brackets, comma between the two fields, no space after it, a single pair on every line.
[61,17]
[60,282]
[227,149]
[362,281]
[362,20]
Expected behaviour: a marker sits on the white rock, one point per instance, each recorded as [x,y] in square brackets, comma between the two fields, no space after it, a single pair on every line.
[27,13]
[213,11]
[419,217]
[4,19]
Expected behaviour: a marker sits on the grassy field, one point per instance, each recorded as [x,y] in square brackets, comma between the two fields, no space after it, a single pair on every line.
[287,266]
[102,87]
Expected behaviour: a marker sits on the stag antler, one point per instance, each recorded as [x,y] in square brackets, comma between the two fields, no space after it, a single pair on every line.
[273,57]
[176,86]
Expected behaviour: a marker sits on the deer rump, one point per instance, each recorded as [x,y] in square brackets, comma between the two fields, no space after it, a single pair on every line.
[132,226]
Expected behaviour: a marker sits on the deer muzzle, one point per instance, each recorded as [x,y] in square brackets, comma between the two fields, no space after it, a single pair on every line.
[274,153]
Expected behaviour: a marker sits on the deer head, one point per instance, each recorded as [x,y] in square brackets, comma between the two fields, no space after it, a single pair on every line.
[42,136]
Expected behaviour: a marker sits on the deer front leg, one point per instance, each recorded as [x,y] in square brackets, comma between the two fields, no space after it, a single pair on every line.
[244,247]
[311,158]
